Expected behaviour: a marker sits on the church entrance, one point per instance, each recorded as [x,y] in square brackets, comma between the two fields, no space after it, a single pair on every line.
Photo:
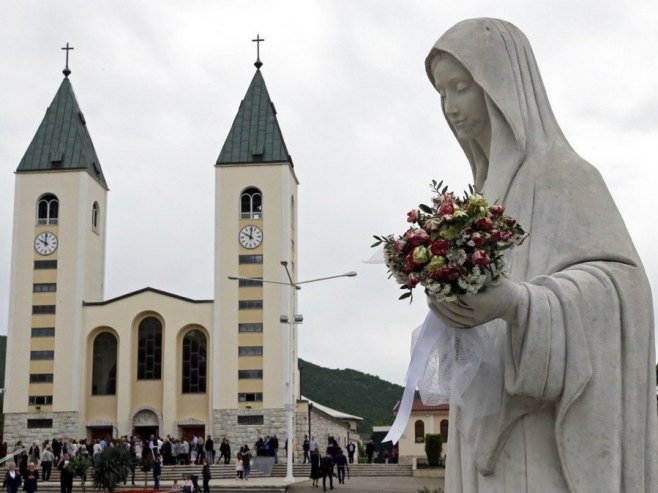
[145,424]
[99,432]
[145,432]
[187,432]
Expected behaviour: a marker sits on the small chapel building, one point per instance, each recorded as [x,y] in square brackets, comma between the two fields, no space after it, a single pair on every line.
[152,362]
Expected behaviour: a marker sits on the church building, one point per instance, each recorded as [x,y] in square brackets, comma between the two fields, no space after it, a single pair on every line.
[152,362]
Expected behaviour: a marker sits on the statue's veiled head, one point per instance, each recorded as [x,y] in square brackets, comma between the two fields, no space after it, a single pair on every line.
[497,57]
[462,100]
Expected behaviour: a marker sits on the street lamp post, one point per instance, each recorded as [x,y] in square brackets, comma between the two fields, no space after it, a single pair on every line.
[292,320]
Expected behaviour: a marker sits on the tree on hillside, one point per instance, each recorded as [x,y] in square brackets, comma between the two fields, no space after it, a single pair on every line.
[352,392]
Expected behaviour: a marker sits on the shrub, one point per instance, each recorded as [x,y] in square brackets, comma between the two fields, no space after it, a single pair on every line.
[433,449]
[111,467]
[79,466]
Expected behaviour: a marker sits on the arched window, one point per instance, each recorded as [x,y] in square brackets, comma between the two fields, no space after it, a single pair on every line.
[194,362]
[95,212]
[104,372]
[149,349]
[251,204]
[444,429]
[48,209]
[419,431]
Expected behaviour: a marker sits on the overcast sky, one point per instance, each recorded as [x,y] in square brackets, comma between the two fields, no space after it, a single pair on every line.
[160,82]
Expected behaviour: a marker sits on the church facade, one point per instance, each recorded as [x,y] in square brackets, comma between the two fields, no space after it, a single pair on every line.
[81,366]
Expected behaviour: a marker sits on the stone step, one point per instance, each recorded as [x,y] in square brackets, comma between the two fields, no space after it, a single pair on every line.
[217,471]
[356,470]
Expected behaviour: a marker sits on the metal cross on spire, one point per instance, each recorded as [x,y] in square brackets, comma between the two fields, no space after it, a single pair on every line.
[258,40]
[66,70]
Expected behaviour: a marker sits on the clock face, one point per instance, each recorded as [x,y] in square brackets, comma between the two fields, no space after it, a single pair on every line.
[250,236]
[45,243]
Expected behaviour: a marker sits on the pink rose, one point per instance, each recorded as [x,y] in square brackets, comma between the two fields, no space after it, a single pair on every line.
[413,280]
[400,245]
[497,210]
[480,257]
[412,216]
[446,209]
[432,224]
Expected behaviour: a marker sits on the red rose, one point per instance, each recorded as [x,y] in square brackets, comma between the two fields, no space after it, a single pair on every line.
[478,239]
[419,237]
[447,273]
[439,247]
[409,264]
[484,224]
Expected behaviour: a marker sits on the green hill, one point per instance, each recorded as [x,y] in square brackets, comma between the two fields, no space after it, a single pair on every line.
[351,392]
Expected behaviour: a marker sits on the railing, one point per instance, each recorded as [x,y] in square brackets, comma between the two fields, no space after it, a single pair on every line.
[7,457]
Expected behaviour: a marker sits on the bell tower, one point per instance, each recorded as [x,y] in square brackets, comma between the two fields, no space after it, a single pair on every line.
[255,230]
[58,258]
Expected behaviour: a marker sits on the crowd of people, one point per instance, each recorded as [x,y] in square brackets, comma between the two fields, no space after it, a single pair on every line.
[159,452]
[322,465]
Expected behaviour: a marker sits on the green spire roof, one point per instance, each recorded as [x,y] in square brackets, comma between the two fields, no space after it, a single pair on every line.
[255,136]
[62,141]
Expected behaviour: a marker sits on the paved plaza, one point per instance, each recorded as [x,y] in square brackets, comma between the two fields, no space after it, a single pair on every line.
[379,484]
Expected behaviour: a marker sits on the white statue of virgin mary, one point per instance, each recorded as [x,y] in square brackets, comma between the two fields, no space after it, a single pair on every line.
[573,324]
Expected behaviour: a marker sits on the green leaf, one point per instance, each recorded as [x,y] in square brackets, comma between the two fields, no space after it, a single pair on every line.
[405,295]
[425,208]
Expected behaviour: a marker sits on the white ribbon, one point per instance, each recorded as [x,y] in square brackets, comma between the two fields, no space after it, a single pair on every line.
[445,363]
[427,339]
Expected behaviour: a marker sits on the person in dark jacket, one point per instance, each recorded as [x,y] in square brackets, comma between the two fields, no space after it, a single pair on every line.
[12,479]
[205,474]
[341,464]
[370,449]
[65,475]
[30,483]
[306,447]
[157,471]
[327,466]
[225,451]
[210,449]
[316,473]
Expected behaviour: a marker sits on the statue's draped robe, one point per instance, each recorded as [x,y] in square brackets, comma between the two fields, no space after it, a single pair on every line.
[578,407]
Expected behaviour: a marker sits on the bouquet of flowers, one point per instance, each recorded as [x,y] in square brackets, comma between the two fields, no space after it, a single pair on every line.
[452,245]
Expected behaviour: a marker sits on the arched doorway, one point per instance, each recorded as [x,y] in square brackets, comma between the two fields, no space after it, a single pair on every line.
[145,424]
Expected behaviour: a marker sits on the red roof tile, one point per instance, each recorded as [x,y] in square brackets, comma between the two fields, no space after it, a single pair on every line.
[418,406]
